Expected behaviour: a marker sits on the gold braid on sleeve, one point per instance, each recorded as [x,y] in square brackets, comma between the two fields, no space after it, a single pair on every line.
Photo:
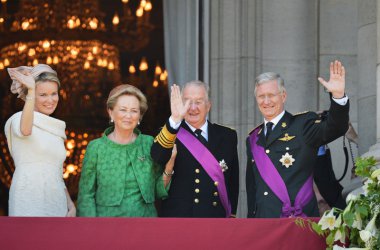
[165,138]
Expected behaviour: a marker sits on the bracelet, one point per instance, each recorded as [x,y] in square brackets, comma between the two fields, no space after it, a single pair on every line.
[29,97]
[167,174]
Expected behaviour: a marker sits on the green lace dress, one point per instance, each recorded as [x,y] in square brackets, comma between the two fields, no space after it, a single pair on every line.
[120,180]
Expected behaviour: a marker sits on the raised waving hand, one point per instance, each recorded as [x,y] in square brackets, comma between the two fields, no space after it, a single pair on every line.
[336,84]
[178,108]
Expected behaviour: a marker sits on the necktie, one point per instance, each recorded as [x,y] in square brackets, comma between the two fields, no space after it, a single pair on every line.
[198,132]
[269,130]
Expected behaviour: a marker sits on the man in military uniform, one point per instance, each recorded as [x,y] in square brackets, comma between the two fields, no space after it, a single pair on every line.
[205,180]
[282,151]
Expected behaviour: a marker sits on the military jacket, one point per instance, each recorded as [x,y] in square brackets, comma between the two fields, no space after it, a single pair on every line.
[292,147]
[192,191]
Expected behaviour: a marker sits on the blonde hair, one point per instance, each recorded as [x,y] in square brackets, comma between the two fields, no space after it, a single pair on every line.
[126,89]
[47,77]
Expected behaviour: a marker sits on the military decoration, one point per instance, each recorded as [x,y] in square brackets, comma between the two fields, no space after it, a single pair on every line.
[287,160]
[287,137]
[223,165]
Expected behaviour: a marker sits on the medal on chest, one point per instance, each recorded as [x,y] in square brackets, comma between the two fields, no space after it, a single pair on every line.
[287,160]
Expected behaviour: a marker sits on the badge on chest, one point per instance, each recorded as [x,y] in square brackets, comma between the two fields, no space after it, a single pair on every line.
[287,137]
[287,160]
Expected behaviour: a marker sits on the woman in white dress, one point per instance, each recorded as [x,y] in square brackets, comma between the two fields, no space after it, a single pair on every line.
[36,143]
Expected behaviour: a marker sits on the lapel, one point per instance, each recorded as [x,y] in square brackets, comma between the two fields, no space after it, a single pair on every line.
[280,128]
[185,126]
[261,134]
[214,139]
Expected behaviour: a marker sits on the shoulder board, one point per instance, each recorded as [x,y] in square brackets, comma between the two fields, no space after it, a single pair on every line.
[301,113]
[255,128]
[224,126]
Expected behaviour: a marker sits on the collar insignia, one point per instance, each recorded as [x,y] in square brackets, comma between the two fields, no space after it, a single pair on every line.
[287,137]
[283,124]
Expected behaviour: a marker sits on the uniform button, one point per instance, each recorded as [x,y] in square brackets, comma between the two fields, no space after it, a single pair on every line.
[197,180]
[265,193]
[287,148]
[197,170]
[215,193]
[216,183]
[267,151]
[196,200]
[215,203]
[197,190]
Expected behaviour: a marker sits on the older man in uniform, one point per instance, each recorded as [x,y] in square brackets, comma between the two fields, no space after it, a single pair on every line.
[282,151]
[205,181]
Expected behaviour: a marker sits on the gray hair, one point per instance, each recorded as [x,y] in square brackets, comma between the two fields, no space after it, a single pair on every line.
[270,76]
[199,84]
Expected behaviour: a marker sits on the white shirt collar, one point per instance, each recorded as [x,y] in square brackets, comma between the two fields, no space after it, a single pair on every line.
[274,120]
[204,129]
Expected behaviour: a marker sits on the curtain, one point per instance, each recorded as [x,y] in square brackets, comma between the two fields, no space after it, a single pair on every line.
[181,40]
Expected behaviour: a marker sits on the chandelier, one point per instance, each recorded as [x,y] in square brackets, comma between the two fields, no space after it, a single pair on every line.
[83,44]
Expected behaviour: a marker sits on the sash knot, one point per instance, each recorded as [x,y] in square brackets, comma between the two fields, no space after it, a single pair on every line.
[289,211]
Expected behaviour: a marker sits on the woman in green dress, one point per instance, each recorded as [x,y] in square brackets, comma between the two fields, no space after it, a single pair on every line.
[119,178]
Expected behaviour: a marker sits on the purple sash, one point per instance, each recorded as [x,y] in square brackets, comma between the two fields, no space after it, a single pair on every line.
[273,179]
[208,162]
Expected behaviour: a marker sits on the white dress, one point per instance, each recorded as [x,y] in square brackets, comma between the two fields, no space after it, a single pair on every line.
[37,187]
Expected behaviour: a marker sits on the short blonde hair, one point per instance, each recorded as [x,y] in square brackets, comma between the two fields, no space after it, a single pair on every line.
[126,89]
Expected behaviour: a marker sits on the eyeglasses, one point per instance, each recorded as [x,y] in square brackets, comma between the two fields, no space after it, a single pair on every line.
[262,98]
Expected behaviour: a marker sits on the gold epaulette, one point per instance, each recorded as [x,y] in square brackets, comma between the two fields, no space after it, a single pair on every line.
[301,113]
[165,138]
[255,128]
[224,126]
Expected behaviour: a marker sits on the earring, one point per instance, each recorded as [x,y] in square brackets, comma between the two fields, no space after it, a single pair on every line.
[111,121]
[138,123]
